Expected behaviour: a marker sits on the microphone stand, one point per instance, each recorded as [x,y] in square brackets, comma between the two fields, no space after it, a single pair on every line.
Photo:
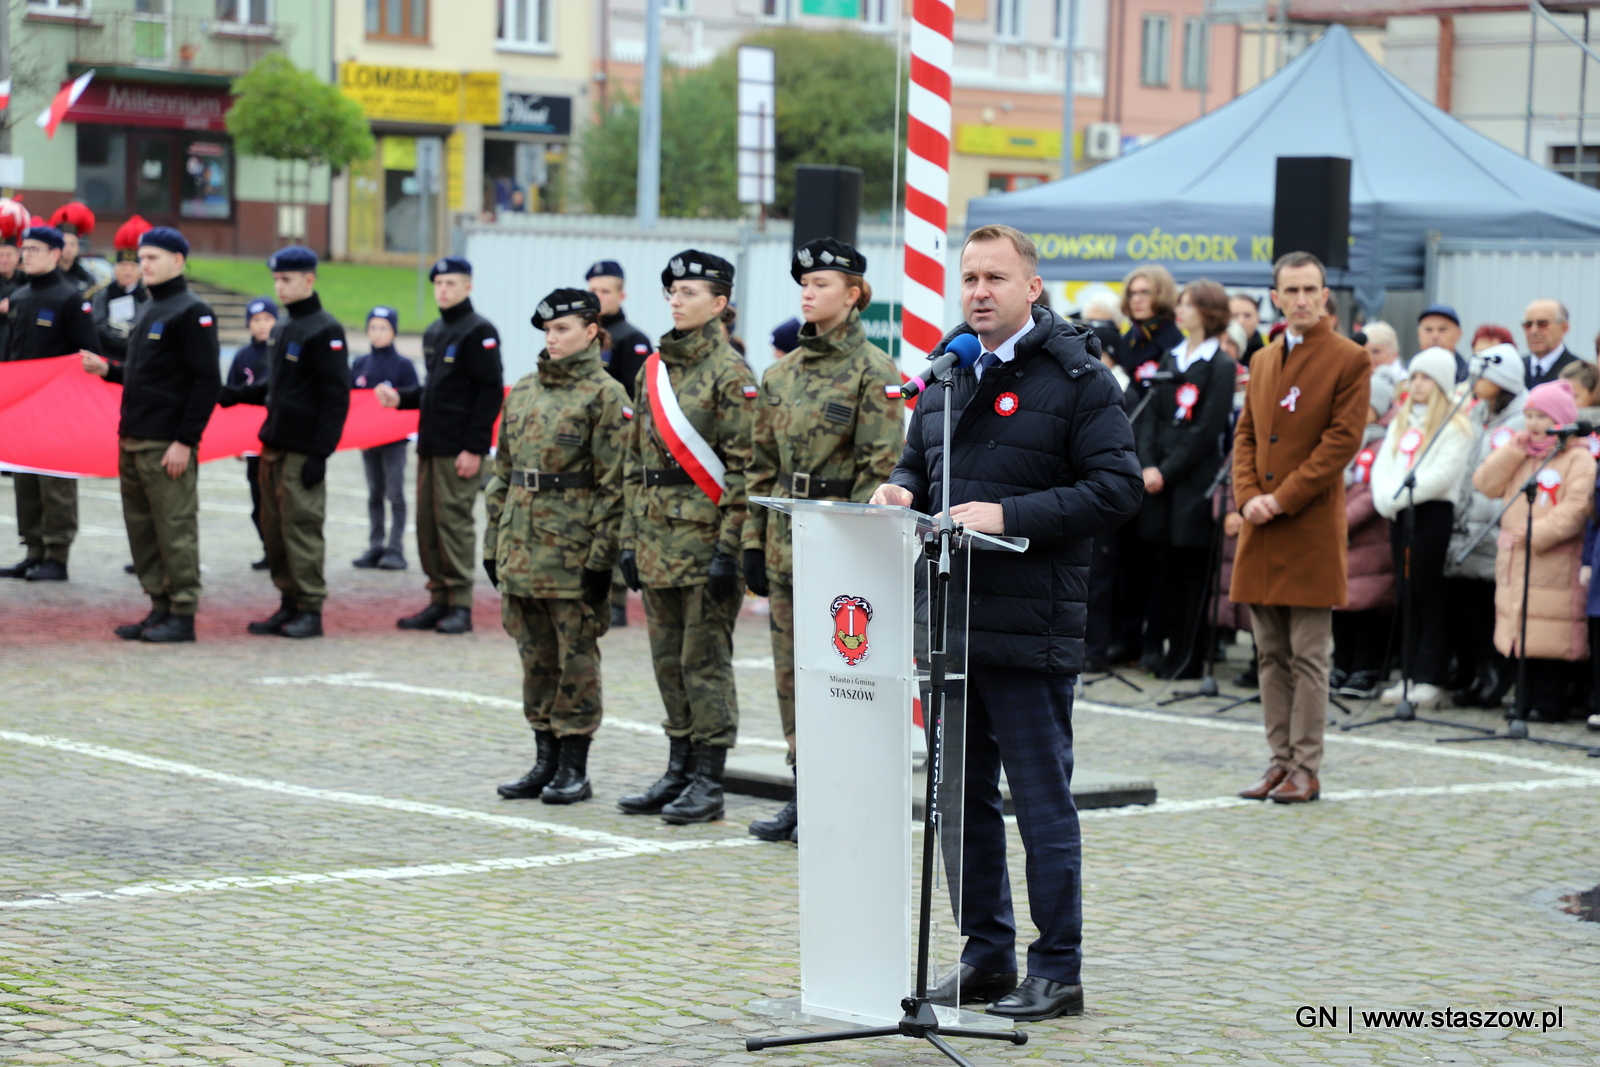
[1405,711]
[1517,727]
[920,1019]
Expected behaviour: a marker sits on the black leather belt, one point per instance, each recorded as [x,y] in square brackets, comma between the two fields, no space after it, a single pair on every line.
[542,480]
[806,487]
[670,476]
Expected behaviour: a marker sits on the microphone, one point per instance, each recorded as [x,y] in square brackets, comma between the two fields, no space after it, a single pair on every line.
[1577,429]
[962,351]
[1157,376]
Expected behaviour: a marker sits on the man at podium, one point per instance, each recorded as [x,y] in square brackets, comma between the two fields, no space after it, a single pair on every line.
[1041,449]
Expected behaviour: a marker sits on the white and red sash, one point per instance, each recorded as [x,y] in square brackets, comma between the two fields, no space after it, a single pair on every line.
[693,453]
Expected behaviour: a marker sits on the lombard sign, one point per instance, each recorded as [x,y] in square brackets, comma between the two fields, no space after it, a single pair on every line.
[413,94]
[536,113]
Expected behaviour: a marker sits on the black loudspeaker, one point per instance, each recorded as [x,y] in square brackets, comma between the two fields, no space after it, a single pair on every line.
[827,203]
[1311,208]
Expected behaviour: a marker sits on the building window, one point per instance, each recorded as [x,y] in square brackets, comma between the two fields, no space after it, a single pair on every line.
[65,8]
[399,20]
[777,10]
[675,7]
[1564,160]
[1008,19]
[160,174]
[876,13]
[1010,183]
[1196,54]
[525,24]
[1155,54]
[1063,14]
[244,12]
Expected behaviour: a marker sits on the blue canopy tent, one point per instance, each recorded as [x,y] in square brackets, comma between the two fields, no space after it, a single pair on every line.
[1199,200]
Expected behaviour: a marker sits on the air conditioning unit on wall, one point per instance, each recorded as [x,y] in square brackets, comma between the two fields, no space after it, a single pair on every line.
[1102,140]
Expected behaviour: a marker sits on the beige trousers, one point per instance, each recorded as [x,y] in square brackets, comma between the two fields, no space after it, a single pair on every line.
[1293,646]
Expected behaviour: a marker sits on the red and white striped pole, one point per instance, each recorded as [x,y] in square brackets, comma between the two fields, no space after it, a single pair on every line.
[927,179]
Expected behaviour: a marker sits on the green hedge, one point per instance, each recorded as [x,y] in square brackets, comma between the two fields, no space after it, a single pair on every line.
[348,290]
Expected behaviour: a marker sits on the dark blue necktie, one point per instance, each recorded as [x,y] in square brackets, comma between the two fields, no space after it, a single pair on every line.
[987,362]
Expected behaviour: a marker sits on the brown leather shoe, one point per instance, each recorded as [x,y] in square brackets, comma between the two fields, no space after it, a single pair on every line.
[1265,784]
[1300,787]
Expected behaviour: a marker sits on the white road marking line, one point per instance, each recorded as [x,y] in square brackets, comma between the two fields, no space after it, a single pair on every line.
[84,529]
[1340,738]
[755,663]
[364,680]
[217,507]
[355,874]
[337,796]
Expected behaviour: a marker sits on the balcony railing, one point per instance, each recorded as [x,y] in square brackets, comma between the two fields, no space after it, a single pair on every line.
[176,42]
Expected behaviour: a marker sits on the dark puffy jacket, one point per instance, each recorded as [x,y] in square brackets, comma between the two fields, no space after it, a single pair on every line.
[1063,467]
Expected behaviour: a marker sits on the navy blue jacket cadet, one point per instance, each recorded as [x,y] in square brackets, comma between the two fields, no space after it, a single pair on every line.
[383,366]
[1058,455]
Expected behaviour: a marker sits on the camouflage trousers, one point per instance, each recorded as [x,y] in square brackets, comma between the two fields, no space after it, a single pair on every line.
[780,605]
[691,642]
[557,640]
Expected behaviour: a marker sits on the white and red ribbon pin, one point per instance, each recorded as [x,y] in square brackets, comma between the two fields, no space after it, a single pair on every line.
[1549,482]
[1501,438]
[1188,396]
[1410,441]
[1364,460]
[1147,370]
[1291,399]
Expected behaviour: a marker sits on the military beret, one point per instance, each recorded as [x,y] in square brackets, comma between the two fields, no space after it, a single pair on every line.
[786,338]
[826,253]
[449,265]
[45,235]
[260,305]
[692,263]
[564,302]
[387,314]
[294,259]
[604,268]
[173,241]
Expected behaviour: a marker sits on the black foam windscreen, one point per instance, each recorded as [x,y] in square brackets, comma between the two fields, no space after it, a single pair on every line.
[1311,208]
[827,203]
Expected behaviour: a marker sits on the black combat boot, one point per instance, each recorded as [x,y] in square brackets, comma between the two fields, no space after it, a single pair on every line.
[47,570]
[544,768]
[426,619]
[702,801]
[274,623]
[20,570]
[667,788]
[304,624]
[132,631]
[455,621]
[571,783]
[172,629]
[780,827]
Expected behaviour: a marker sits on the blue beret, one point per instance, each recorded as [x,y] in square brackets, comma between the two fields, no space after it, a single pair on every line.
[260,305]
[46,235]
[786,338]
[294,259]
[387,314]
[165,237]
[450,265]
[1440,309]
[604,268]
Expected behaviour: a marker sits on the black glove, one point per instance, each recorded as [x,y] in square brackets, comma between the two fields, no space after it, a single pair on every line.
[629,564]
[492,569]
[596,585]
[724,574]
[229,396]
[314,471]
[755,571]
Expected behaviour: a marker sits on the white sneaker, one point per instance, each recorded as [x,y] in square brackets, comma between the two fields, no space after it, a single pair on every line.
[1424,695]
[1393,694]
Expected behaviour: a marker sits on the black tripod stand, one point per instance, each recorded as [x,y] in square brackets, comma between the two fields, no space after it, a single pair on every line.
[1517,728]
[920,1020]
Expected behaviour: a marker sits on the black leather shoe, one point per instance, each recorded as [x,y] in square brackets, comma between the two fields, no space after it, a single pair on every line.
[170,630]
[128,568]
[19,570]
[426,619]
[665,789]
[261,564]
[780,827]
[619,616]
[1249,678]
[132,631]
[571,783]
[455,621]
[1038,999]
[532,784]
[47,570]
[1361,685]
[304,624]
[274,622]
[1151,661]
[1336,679]
[702,800]
[392,560]
[977,987]
[368,560]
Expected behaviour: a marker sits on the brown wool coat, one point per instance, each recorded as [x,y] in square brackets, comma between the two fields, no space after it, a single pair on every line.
[1557,622]
[1298,558]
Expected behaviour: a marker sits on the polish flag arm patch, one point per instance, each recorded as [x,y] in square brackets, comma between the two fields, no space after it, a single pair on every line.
[641,350]
[336,344]
[490,342]
[627,413]
[88,308]
[751,392]
[207,320]
[891,392]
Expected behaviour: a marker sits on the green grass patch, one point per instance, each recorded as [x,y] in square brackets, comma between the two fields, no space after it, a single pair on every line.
[348,290]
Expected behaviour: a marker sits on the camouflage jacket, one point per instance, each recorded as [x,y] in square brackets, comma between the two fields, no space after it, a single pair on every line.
[675,529]
[568,416]
[824,411]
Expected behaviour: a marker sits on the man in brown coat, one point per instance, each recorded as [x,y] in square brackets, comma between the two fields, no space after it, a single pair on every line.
[1301,426]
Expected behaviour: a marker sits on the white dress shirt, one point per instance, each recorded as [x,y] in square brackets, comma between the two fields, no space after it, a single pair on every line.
[1186,355]
[1541,364]
[1008,348]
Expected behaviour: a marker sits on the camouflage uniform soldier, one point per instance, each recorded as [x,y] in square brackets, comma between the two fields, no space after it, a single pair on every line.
[680,533]
[555,506]
[828,427]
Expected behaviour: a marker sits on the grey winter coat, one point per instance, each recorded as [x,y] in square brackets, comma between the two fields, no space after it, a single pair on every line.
[1475,513]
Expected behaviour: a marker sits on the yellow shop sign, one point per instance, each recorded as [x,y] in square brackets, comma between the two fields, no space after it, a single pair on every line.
[1020,142]
[411,94]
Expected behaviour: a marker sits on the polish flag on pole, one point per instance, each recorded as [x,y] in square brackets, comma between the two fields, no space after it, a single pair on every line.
[51,117]
[5,94]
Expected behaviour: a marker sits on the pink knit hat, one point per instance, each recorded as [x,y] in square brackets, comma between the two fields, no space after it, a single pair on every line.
[1556,400]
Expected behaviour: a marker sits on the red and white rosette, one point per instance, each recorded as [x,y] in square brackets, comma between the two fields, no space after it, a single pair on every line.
[1364,461]
[1502,437]
[1592,442]
[1549,482]
[1188,396]
[1410,442]
[1147,370]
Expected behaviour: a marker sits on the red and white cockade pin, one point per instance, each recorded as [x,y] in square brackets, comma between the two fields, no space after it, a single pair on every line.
[1188,396]
[1410,441]
[1291,399]
[1501,438]
[1006,404]
[1364,460]
[1549,482]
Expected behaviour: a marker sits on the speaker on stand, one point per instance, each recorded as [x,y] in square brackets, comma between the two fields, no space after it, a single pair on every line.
[827,203]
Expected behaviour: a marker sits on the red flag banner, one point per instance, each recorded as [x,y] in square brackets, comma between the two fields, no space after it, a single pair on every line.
[57,419]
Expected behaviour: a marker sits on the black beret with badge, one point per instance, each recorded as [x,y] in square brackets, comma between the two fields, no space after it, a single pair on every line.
[691,264]
[826,253]
[563,302]
[450,265]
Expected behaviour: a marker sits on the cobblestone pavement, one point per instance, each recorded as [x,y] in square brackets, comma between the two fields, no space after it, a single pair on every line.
[253,852]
